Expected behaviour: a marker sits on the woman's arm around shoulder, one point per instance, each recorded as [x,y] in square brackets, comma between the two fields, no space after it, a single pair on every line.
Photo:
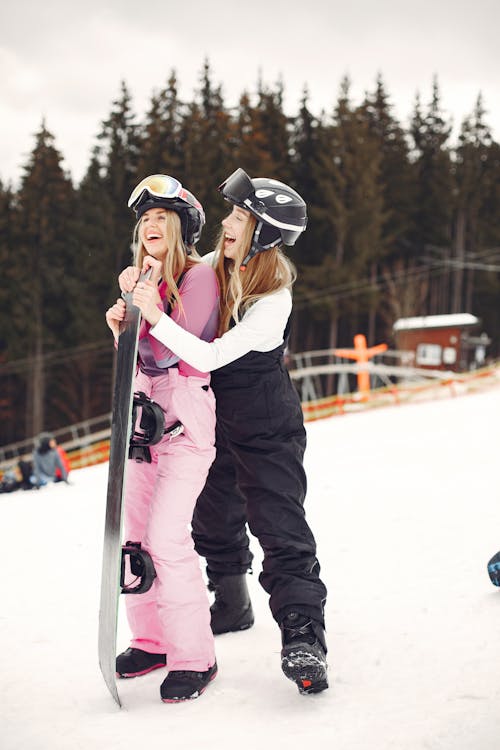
[260,329]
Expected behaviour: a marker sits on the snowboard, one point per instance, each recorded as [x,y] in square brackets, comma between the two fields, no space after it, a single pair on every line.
[121,427]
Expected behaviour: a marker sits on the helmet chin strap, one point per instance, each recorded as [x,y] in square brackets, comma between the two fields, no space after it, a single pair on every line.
[256,248]
[251,254]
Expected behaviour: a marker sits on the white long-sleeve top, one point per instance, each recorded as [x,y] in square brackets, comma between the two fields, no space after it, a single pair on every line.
[260,329]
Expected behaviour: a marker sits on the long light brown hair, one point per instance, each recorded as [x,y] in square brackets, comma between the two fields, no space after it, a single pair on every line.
[176,259]
[268,271]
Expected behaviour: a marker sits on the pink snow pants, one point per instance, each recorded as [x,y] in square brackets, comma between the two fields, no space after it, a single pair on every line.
[173,617]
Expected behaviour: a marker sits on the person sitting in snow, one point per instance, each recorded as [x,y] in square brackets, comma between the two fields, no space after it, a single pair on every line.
[47,461]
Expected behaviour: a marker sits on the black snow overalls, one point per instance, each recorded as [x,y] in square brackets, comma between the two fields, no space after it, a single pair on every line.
[258,478]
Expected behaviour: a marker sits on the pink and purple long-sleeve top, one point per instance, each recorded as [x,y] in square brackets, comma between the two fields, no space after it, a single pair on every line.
[199,292]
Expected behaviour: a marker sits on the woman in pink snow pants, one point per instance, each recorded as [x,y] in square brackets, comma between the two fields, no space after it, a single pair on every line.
[170,623]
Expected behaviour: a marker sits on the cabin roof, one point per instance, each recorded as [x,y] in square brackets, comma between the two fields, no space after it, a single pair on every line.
[456,320]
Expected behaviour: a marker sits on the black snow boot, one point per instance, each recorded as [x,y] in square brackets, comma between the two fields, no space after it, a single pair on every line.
[303,656]
[133,662]
[184,685]
[232,608]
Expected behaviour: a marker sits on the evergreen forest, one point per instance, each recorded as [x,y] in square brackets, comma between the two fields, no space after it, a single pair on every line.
[403,221]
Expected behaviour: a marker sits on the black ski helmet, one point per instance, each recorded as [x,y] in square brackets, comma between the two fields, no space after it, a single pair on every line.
[280,211]
[163,191]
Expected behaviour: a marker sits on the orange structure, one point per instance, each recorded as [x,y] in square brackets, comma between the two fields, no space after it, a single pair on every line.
[361,353]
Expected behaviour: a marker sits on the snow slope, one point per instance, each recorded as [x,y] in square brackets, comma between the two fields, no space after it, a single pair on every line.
[405,506]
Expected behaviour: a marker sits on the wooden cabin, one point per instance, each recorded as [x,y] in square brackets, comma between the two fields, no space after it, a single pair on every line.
[442,342]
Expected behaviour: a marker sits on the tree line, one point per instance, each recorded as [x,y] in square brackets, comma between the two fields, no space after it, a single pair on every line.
[402,222]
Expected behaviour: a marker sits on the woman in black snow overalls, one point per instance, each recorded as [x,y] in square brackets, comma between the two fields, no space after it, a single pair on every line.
[258,476]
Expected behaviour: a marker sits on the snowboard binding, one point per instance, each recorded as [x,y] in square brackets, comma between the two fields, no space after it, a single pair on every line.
[141,566]
[151,427]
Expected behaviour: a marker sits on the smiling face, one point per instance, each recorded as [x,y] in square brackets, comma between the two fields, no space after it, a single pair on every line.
[153,232]
[236,227]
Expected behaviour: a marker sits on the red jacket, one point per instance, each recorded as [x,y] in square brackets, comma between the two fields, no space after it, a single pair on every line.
[64,459]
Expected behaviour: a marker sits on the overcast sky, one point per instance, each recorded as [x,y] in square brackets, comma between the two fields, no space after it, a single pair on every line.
[64,60]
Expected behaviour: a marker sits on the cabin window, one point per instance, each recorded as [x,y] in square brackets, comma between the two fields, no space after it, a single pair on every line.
[428,354]
[449,355]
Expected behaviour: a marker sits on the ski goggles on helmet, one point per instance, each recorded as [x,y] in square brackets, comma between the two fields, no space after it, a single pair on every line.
[156,185]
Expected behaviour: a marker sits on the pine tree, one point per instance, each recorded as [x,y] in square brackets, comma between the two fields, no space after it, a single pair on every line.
[264,133]
[470,170]
[348,216]
[95,227]
[250,147]
[205,146]
[477,220]
[160,149]
[434,199]
[88,371]
[397,179]
[309,250]
[42,310]
[360,206]
[7,212]
[118,154]
[304,148]
[11,391]
[396,174]
[277,129]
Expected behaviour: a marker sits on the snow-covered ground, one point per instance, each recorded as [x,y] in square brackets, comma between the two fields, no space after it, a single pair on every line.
[405,505]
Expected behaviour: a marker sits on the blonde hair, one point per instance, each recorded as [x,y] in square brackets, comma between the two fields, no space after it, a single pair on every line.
[176,259]
[267,272]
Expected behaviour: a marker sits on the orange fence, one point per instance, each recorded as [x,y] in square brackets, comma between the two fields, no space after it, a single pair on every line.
[89,455]
[348,403]
[396,394]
